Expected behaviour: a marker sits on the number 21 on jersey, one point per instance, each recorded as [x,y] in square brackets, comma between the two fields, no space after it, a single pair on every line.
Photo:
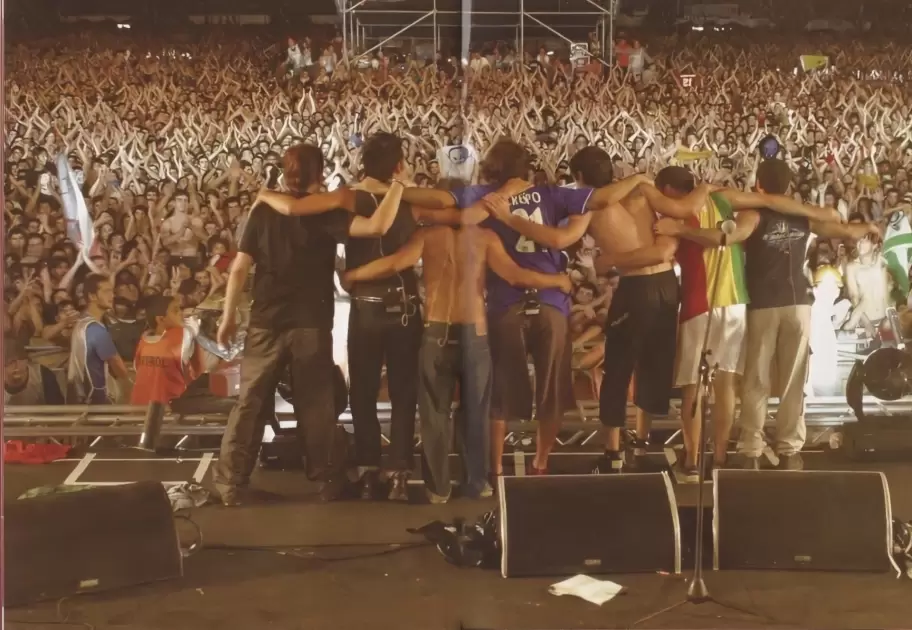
[525,245]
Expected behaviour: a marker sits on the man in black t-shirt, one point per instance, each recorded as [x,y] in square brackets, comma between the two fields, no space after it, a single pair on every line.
[385,324]
[291,320]
[384,327]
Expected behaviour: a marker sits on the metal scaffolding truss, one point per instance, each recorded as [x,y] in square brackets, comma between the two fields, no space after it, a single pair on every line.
[369,25]
[119,421]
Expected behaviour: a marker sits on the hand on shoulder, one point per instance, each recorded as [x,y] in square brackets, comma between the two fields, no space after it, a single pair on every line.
[667,227]
[497,205]
[371,185]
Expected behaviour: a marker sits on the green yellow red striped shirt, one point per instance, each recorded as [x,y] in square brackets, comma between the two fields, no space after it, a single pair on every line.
[698,265]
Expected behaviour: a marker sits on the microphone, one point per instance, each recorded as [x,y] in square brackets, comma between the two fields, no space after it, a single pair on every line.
[727,228]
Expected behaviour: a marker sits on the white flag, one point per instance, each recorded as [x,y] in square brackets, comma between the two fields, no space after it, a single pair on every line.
[68,195]
[80,227]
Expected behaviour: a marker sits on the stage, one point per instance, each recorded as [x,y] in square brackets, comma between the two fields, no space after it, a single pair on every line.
[292,562]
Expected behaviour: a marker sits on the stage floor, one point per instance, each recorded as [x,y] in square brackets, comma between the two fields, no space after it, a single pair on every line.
[352,565]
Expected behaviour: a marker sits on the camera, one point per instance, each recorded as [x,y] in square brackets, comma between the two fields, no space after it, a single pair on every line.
[394,301]
[531,304]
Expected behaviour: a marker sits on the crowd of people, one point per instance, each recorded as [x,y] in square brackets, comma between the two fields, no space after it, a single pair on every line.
[170,143]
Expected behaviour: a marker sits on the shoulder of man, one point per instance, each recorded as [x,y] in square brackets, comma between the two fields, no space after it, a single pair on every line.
[366,203]
[96,327]
[467,195]
[260,214]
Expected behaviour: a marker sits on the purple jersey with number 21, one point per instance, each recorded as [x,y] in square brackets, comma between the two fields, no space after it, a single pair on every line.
[546,205]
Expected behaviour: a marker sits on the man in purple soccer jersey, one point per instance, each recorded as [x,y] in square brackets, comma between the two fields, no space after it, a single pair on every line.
[522,323]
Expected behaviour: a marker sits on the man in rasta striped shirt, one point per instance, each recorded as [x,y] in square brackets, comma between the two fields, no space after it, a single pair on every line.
[703,243]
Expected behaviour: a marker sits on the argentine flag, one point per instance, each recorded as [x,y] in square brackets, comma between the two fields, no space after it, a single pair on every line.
[79,225]
[897,251]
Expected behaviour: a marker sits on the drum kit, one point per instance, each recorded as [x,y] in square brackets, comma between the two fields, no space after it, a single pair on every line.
[886,372]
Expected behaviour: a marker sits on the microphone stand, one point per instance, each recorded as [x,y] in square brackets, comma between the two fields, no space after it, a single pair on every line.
[697,592]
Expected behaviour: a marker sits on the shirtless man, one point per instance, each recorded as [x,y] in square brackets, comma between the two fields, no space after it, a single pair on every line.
[455,343]
[641,329]
[528,325]
[868,284]
[180,233]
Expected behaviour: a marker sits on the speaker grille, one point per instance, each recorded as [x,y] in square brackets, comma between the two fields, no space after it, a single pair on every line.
[814,520]
[95,539]
[586,523]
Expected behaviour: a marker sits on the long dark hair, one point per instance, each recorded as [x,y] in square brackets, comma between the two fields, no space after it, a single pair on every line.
[303,167]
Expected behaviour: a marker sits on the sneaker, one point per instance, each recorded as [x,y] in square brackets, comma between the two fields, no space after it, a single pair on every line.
[229,498]
[750,463]
[435,499]
[611,463]
[482,490]
[398,487]
[791,462]
[688,473]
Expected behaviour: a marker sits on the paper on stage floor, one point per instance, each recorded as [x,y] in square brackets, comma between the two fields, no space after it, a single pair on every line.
[596,591]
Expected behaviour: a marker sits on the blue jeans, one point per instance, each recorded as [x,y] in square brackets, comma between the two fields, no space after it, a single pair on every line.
[451,354]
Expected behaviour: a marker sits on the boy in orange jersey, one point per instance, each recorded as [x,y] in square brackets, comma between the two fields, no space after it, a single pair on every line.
[167,359]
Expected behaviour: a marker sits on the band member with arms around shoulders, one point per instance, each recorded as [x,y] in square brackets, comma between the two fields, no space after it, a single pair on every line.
[641,329]
[291,319]
[455,347]
[384,324]
[521,324]
[728,323]
[779,308]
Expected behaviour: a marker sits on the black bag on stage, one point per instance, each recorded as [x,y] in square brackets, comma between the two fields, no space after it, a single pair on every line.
[902,546]
[475,545]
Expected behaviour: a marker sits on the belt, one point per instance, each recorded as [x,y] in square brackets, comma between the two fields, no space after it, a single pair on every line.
[370,299]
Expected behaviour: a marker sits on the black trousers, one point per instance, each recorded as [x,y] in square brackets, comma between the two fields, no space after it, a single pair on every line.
[452,354]
[375,337]
[266,353]
[641,336]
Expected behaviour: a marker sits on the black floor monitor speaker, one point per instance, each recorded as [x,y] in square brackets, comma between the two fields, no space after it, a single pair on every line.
[91,540]
[569,524]
[811,520]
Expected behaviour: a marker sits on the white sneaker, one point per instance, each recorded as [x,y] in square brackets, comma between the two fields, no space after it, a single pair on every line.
[436,499]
